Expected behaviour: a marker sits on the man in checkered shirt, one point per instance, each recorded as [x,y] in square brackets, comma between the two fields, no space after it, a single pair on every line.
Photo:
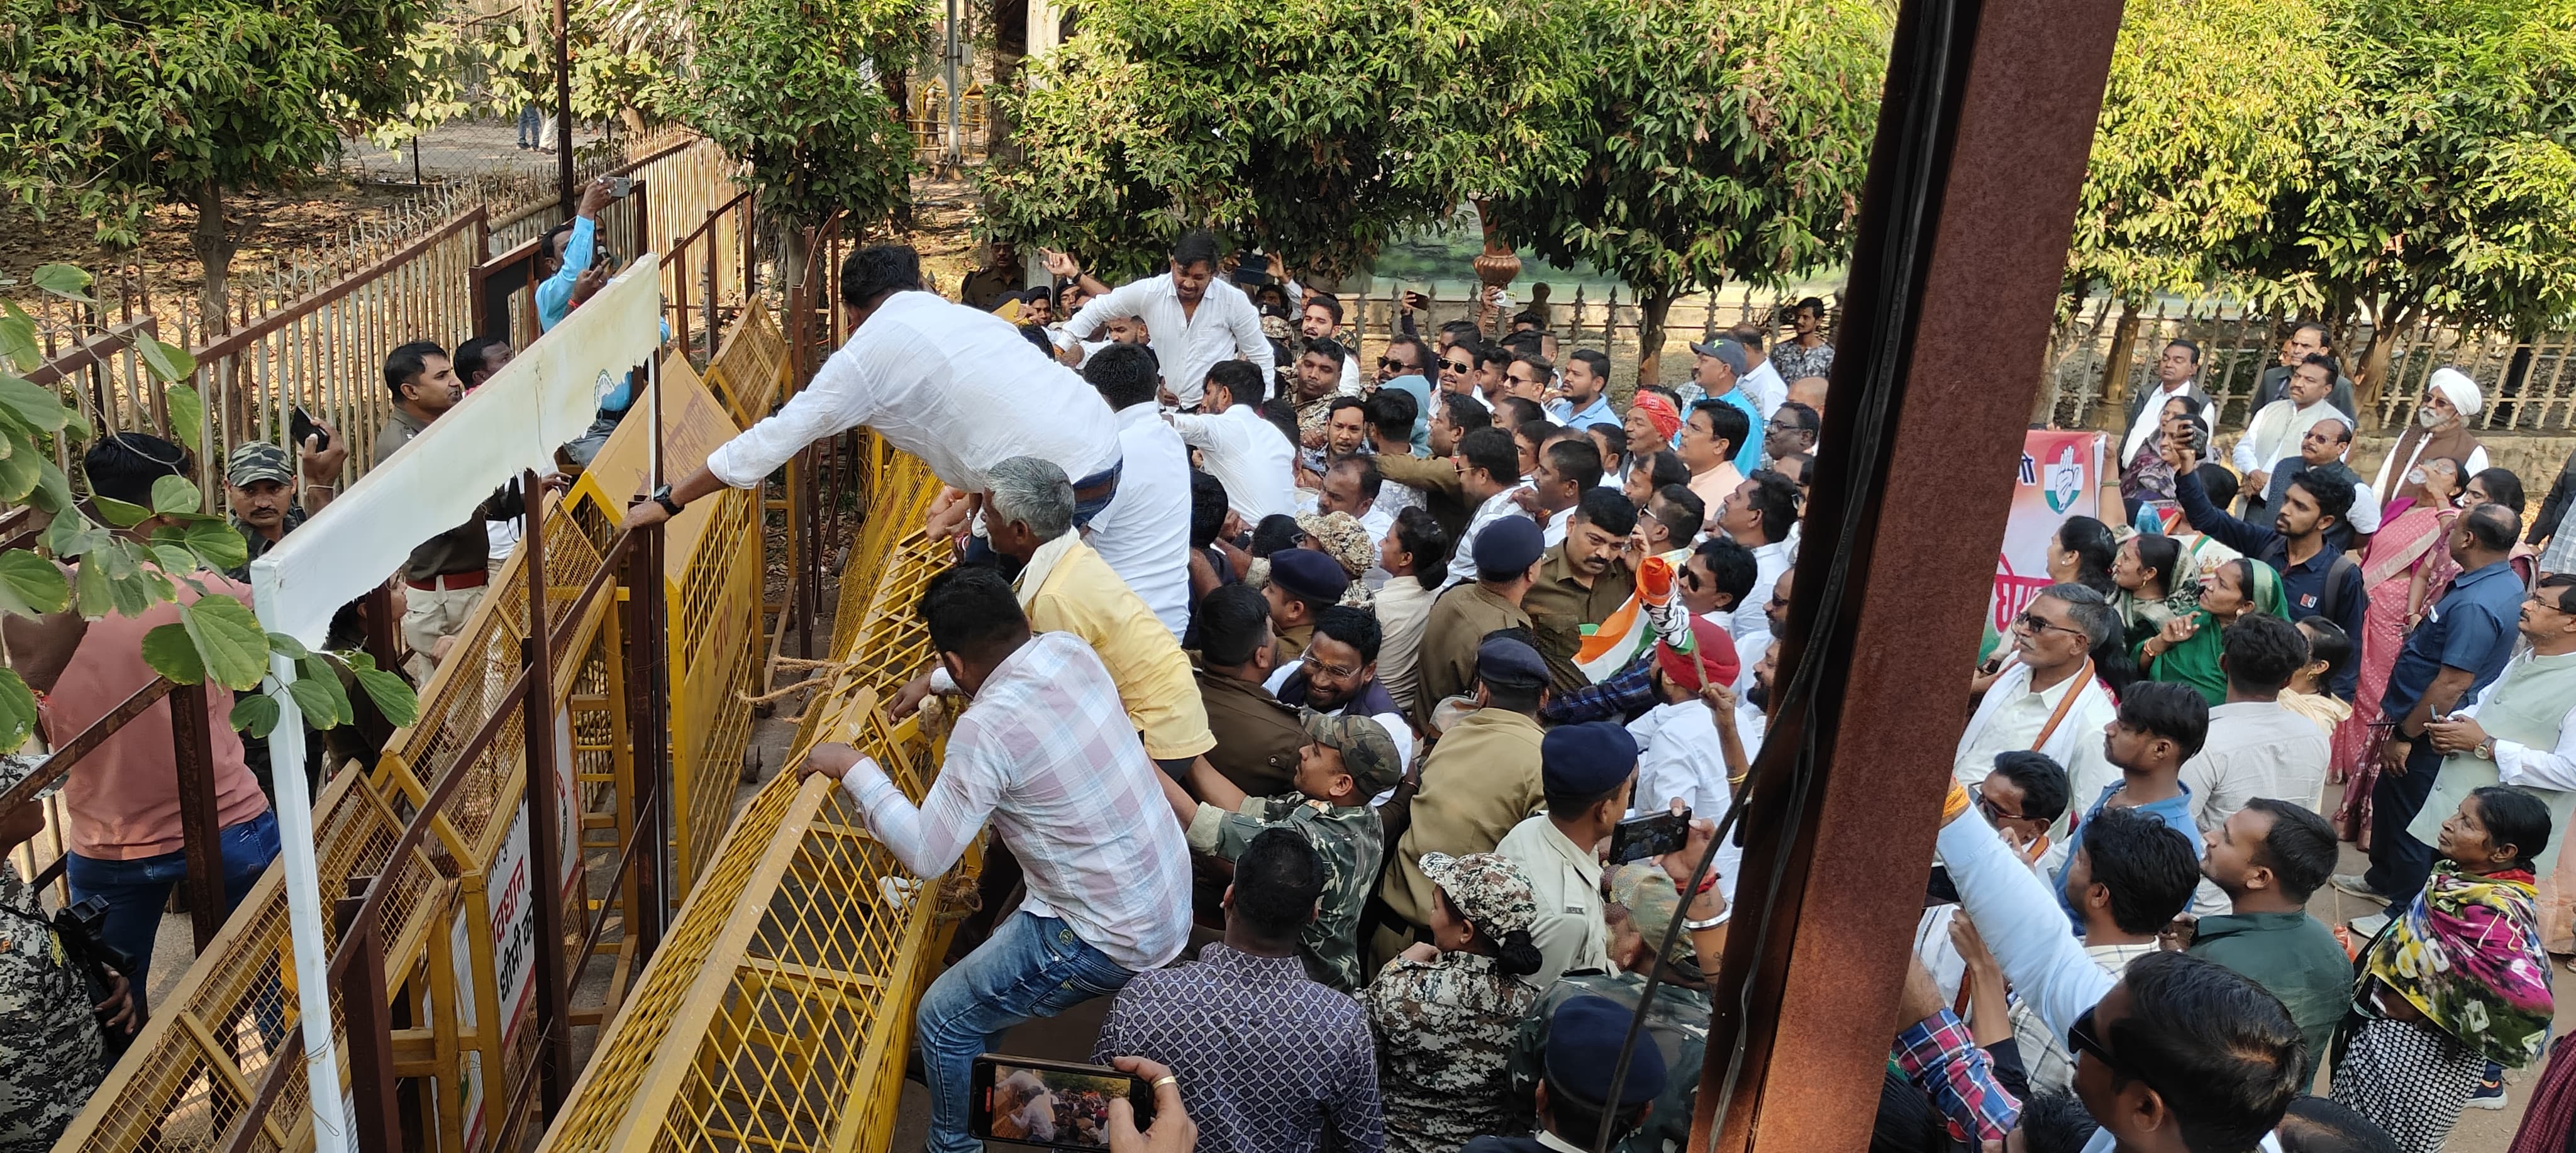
[1045,752]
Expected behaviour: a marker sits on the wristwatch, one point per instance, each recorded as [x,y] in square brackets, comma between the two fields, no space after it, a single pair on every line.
[662,496]
[2485,750]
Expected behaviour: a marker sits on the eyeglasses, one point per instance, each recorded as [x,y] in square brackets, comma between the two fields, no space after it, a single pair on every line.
[1391,362]
[1458,365]
[2034,624]
[1690,579]
[1993,811]
[1339,673]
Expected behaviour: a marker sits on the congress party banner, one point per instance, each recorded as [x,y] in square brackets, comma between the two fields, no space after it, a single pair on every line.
[2061,476]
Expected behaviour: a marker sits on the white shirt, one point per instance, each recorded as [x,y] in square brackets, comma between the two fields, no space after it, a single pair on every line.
[2011,716]
[1144,534]
[1246,454]
[1226,325]
[1766,388]
[1678,755]
[1045,753]
[2274,433]
[1769,561]
[1462,563]
[1376,522]
[2365,509]
[2255,749]
[2392,475]
[1403,608]
[956,386]
[1350,385]
[1748,653]
[2529,765]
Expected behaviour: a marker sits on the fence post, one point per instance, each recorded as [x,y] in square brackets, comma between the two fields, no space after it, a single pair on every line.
[545,839]
[370,1022]
[192,748]
[649,731]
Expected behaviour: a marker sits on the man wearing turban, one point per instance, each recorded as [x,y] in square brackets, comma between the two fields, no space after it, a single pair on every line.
[2440,432]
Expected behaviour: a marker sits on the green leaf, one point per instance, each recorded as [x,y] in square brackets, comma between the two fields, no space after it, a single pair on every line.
[170,653]
[18,337]
[176,494]
[317,701]
[33,403]
[173,558]
[218,544]
[256,714]
[119,513]
[286,646]
[53,493]
[168,361]
[229,640]
[72,535]
[30,585]
[20,471]
[392,694]
[65,281]
[17,711]
[90,583]
[187,414]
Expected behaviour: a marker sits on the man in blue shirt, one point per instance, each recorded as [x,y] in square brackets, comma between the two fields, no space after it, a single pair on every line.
[569,250]
[2314,575]
[1719,373]
[2161,725]
[2461,646]
[1586,384]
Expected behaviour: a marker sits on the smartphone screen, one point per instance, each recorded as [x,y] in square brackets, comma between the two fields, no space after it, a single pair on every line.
[1057,1104]
[1652,835]
[300,426]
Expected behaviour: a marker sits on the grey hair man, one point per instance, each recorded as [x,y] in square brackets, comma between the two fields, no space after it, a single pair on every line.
[1064,586]
[2045,657]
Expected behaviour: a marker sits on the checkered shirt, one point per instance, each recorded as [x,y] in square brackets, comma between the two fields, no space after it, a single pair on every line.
[1268,1061]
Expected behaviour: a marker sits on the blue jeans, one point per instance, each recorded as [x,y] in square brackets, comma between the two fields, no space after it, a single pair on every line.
[1030,967]
[136,889]
[2400,864]
[531,126]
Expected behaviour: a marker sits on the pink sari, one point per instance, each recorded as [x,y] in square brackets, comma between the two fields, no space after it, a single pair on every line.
[2412,540]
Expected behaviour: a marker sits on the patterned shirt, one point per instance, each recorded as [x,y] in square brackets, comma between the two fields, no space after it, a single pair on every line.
[1045,752]
[1268,1061]
[1623,696]
[1939,1056]
[1462,563]
[1795,360]
[1348,839]
[257,542]
[1444,1034]
[51,1058]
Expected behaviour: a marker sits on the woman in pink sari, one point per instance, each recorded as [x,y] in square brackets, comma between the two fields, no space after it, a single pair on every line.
[2406,568]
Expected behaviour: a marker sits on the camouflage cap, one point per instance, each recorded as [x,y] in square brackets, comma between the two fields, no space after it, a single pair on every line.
[1368,753]
[1488,889]
[258,460]
[16,767]
[1647,892]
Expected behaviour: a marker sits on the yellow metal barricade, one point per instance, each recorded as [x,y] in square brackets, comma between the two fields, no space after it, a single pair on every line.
[779,1009]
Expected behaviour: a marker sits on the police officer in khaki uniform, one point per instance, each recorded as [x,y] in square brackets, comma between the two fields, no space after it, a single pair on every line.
[1587,771]
[1478,782]
[1256,737]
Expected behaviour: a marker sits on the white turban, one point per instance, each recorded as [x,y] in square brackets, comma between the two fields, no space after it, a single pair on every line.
[2459,389]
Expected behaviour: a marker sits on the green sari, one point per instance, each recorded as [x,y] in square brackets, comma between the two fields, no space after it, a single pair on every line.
[2195,662]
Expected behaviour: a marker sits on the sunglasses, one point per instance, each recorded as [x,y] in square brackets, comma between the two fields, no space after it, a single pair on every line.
[2086,1040]
[1458,365]
[1993,811]
[1391,362]
[2034,624]
[1691,579]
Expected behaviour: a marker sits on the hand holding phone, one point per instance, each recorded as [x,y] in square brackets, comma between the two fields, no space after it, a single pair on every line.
[1058,1104]
[1652,835]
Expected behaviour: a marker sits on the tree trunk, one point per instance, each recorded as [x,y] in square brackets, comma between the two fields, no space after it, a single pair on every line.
[2371,382]
[213,243]
[1653,305]
[2115,367]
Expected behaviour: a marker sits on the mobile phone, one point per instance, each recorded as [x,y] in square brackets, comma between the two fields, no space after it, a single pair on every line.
[299,425]
[620,186]
[1057,1104]
[1652,835]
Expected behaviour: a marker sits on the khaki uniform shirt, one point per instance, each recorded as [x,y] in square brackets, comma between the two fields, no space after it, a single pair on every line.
[1559,606]
[1437,478]
[465,548]
[1479,781]
[1446,664]
[1571,932]
[1257,738]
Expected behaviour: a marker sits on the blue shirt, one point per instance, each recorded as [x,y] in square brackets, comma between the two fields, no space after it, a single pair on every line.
[1748,455]
[1597,412]
[2471,628]
[1413,385]
[554,296]
[2302,584]
[2174,811]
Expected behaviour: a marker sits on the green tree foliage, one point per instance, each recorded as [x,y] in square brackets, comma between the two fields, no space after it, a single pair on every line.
[1317,129]
[1733,142]
[2445,180]
[216,639]
[2205,123]
[797,88]
[116,106]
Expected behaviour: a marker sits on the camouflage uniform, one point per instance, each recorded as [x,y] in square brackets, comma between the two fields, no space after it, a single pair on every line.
[51,1051]
[1444,1027]
[1678,1023]
[1348,838]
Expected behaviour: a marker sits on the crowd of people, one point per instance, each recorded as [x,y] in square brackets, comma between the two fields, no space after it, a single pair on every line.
[1303,694]
[1399,647]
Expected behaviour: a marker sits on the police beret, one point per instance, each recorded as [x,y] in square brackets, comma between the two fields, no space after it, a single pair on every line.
[1583,1043]
[1511,664]
[1586,760]
[1509,545]
[1308,574]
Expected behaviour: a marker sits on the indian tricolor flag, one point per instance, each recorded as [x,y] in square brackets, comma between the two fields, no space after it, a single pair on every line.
[1652,613]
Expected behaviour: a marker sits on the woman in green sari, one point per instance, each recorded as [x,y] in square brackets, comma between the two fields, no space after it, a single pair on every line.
[2185,650]
[2158,579]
